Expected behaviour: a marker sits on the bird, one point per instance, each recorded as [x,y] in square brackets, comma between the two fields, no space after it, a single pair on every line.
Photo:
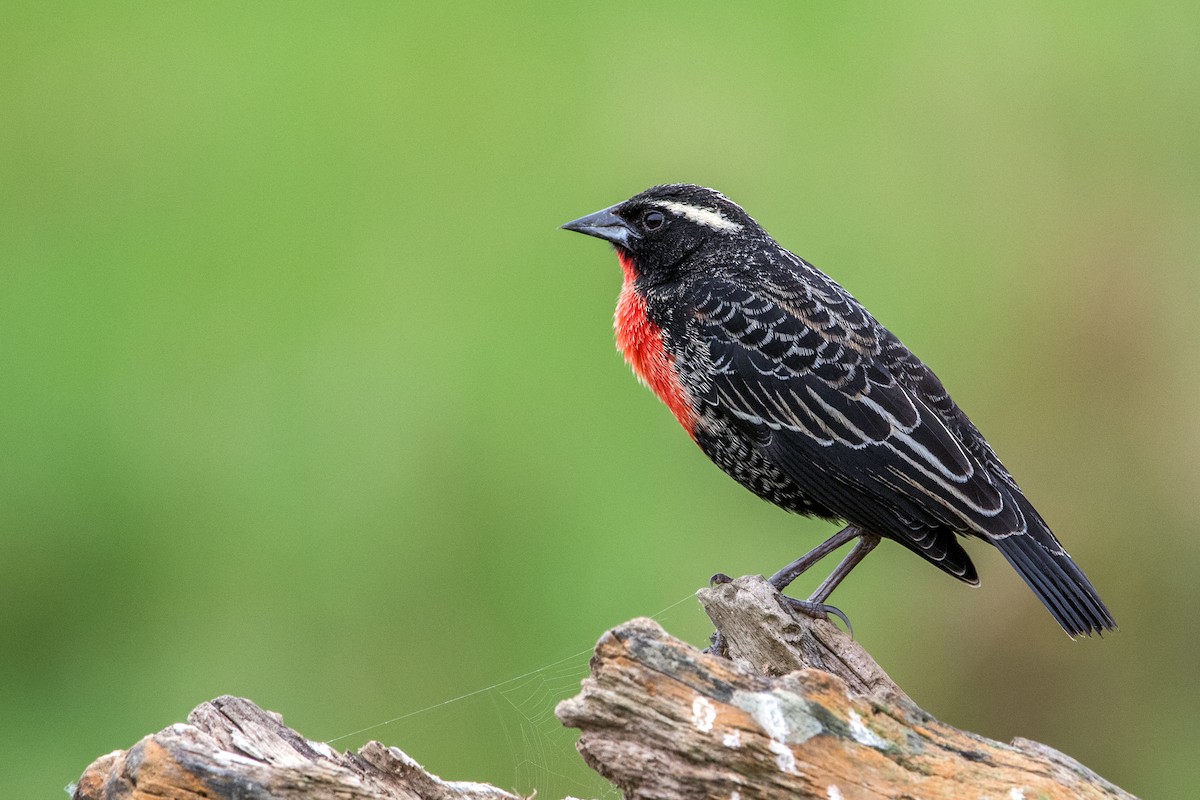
[791,387]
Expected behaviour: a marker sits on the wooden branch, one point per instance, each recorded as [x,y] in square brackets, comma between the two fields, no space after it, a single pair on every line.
[801,711]
[230,749]
[798,710]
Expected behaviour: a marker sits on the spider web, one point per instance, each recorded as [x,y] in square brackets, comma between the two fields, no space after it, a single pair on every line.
[542,750]
[541,755]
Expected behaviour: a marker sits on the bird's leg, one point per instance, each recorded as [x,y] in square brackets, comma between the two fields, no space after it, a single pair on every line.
[782,579]
[865,544]
[815,605]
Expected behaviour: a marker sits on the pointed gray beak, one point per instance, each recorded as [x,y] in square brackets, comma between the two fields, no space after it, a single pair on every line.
[605,225]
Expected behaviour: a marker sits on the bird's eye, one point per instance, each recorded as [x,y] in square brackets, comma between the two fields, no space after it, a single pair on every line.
[653,220]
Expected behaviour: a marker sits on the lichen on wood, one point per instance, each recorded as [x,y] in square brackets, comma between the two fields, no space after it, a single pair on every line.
[798,710]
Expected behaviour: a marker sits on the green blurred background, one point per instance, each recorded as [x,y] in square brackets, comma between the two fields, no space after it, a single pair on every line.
[304,397]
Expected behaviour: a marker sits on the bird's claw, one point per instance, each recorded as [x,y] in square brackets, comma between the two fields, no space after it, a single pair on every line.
[819,611]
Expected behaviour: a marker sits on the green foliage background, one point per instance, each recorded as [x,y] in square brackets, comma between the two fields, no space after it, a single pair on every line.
[304,397]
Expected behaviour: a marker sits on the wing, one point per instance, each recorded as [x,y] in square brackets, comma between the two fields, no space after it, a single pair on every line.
[803,368]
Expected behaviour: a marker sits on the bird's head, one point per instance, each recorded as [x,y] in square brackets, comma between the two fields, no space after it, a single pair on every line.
[662,229]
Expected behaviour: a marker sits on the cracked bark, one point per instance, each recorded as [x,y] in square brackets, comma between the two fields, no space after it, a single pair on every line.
[799,710]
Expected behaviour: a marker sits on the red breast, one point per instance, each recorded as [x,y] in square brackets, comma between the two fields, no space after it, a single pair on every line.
[642,343]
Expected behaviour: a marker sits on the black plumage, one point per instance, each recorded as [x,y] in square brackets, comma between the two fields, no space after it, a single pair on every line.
[800,395]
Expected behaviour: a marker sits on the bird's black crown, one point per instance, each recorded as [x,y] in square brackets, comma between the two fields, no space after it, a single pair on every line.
[662,227]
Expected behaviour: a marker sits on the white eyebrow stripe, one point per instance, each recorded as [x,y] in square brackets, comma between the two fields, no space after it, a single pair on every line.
[701,216]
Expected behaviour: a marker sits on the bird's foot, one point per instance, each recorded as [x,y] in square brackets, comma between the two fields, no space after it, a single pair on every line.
[818,610]
[716,645]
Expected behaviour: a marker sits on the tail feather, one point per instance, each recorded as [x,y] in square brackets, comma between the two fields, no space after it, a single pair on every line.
[1057,580]
[941,548]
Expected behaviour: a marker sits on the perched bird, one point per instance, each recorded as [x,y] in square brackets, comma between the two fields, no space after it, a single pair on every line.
[791,387]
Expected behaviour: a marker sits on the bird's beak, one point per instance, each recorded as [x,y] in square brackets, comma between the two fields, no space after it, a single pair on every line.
[605,225]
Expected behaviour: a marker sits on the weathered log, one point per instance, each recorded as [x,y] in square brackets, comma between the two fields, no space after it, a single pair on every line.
[230,749]
[797,710]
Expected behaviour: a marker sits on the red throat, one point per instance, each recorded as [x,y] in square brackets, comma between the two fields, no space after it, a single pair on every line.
[642,343]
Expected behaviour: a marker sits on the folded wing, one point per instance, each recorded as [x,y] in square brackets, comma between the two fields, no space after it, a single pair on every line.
[805,374]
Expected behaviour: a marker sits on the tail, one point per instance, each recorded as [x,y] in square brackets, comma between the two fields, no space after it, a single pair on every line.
[1057,581]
